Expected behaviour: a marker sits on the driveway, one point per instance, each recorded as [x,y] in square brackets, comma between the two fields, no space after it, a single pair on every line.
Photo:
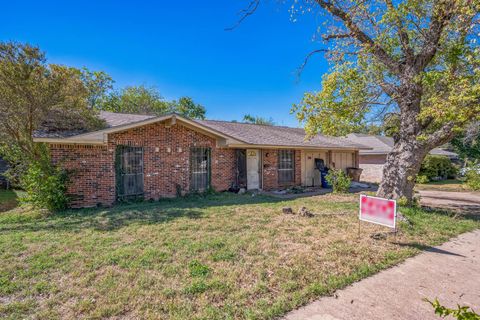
[465,202]
[450,272]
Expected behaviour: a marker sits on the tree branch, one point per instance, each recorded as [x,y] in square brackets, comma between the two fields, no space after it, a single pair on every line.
[245,13]
[443,13]
[314,52]
[404,38]
[441,136]
[328,37]
[361,36]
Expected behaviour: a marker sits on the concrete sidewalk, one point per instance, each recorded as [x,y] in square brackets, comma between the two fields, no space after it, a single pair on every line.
[450,272]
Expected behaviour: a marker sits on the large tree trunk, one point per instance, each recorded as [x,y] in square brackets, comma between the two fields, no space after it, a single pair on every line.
[404,161]
[401,168]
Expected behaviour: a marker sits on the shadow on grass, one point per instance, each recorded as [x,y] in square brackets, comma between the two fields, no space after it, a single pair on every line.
[463,211]
[8,200]
[163,211]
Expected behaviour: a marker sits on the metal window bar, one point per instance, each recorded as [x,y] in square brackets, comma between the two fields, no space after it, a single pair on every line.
[200,169]
[286,166]
[129,169]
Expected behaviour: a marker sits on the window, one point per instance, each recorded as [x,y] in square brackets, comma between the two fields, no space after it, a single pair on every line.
[129,172]
[199,169]
[286,166]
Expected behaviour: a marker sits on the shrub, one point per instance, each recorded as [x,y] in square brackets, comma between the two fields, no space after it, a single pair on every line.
[422,179]
[45,185]
[473,179]
[339,180]
[437,168]
[460,313]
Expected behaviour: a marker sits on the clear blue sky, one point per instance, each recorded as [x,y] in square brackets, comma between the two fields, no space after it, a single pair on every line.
[181,48]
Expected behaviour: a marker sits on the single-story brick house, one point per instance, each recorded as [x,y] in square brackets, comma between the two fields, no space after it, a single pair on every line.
[155,157]
[373,160]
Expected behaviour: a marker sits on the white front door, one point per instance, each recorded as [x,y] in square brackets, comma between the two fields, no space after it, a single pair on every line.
[253,166]
[312,175]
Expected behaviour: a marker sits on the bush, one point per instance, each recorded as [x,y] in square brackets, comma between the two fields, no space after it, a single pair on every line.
[422,179]
[460,313]
[45,185]
[437,168]
[473,179]
[339,180]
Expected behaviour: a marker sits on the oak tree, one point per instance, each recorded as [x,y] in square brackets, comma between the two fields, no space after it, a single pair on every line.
[415,61]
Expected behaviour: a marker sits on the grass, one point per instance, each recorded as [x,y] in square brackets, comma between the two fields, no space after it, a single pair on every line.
[444,185]
[223,256]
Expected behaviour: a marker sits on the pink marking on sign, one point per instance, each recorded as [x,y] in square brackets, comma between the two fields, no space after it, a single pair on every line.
[378,210]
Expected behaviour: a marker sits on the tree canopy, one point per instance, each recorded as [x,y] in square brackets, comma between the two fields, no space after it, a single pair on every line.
[35,95]
[380,49]
[467,143]
[248,118]
[415,61]
[148,100]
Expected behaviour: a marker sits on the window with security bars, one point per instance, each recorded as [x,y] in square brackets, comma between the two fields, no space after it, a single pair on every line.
[129,171]
[286,166]
[200,169]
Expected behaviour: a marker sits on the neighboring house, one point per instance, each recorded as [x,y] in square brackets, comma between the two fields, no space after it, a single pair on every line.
[3,168]
[155,157]
[372,161]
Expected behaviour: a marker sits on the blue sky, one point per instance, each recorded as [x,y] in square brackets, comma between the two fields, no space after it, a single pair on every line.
[181,48]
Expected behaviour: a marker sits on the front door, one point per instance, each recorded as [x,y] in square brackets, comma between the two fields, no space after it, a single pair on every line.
[253,169]
[312,175]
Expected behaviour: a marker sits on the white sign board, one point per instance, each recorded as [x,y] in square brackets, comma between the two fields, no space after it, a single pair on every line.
[378,210]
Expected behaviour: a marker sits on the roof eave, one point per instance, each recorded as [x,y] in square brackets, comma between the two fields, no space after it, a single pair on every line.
[68,141]
[297,147]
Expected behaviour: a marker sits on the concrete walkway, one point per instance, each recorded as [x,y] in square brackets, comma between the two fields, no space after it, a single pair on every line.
[450,272]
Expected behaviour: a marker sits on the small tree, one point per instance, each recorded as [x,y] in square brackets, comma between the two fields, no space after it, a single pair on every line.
[35,96]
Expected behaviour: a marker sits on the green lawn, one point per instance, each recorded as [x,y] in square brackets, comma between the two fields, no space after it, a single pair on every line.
[444,185]
[220,257]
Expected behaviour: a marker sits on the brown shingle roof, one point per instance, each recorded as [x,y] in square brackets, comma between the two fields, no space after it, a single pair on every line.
[243,133]
[383,145]
[118,119]
[256,134]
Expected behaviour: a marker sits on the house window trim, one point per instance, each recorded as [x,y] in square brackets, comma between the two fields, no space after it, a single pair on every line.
[292,169]
[209,169]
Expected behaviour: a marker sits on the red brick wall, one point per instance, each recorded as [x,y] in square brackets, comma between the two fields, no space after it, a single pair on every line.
[92,179]
[166,163]
[270,173]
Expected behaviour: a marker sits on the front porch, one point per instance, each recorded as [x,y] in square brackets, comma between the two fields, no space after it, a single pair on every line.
[275,169]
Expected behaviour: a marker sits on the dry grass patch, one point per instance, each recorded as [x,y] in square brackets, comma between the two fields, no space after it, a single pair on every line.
[217,257]
[444,185]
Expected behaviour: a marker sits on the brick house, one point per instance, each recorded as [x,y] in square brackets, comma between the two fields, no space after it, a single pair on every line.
[373,160]
[155,157]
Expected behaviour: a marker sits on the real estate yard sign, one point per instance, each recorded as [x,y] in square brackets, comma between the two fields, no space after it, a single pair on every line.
[378,210]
